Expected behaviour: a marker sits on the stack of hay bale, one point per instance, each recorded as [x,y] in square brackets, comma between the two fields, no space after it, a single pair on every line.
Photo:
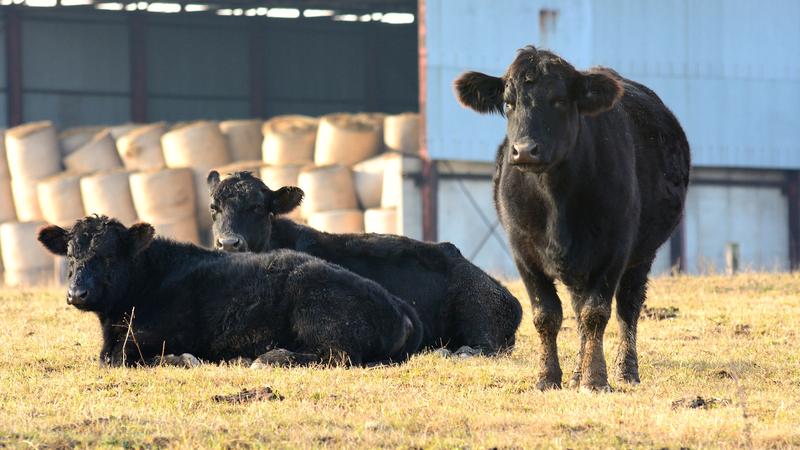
[349,166]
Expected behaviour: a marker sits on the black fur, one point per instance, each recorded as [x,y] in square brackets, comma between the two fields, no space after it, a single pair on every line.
[218,306]
[605,190]
[458,303]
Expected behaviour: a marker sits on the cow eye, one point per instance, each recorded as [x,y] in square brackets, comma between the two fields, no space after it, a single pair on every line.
[257,209]
[508,106]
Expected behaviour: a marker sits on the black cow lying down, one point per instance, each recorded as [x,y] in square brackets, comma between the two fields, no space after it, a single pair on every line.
[219,306]
[458,304]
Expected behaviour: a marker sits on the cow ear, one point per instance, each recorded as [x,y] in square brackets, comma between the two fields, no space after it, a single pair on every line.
[285,199]
[54,239]
[213,181]
[597,91]
[480,92]
[140,235]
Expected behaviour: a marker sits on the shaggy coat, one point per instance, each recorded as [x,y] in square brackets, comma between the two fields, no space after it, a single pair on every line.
[589,182]
[458,304]
[217,306]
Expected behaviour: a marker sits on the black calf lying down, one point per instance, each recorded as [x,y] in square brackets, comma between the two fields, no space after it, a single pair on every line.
[219,306]
[458,303]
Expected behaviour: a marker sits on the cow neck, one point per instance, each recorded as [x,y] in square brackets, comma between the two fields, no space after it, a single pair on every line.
[285,234]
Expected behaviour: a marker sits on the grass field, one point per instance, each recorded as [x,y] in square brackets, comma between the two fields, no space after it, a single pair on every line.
[733,342]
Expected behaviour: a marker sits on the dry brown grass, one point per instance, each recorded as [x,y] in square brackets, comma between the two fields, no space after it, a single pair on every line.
[733,339]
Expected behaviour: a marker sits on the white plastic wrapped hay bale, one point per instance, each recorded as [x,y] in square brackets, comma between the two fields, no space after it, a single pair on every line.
[244,138]
[201,147]
[380,220]
[347,139]
[100,153]
[109,193]
[338,221]
[164,196]
[392,189]
[25,260]
[368,177]
[140,148]
[401,133]
[72,139]
[289,140]
[32,150]
[26,199]
[327,188]
[252,166]
[60,199]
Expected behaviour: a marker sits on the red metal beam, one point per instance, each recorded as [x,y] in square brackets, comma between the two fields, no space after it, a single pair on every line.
[14,66]
[430,184]
[138,69]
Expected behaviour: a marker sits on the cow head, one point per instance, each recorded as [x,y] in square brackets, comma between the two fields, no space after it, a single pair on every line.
[242,208]
[542,97]
[100,253]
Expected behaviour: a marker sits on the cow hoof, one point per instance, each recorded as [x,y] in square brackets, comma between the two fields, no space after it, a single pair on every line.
[628,377]
[466,351]
[596,387]
[575,381]
[546,385]
[277,357]
[443,352]
[185,360]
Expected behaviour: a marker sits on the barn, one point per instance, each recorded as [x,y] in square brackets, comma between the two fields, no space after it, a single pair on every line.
[90,62]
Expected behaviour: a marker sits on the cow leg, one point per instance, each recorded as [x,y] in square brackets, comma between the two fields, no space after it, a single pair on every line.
[575,381]
[631,294]
[547,317]
[593,311]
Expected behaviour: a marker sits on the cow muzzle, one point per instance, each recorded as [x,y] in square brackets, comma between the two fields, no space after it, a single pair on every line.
[231,244]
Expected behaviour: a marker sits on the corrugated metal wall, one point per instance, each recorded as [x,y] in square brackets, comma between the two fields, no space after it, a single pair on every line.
[77,66]
[727,68]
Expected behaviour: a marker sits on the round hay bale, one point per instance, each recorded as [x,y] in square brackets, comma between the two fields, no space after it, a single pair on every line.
[32,150]
[60,199]
[98,154]
[164,195]
[26,199]
[109,193]
[4,173]
[20,250]
[244,138]
[199,145]
[401,133]
[72,139]
[117,131]
[380,220]
[7,211]
[183,230]
[392,189]
[289,140]
[368,177]
[252,166]
[140,148]
[276,177]
[347,139]
[327,188]
[338,221]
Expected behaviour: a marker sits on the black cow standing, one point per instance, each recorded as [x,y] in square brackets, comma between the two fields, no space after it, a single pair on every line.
[589,182]
[179,298]
[458,303]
